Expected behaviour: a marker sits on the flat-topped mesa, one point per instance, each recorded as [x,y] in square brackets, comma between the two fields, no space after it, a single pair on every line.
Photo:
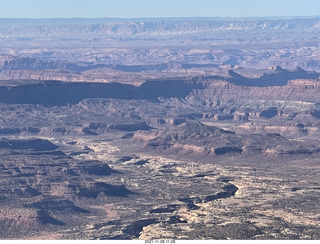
[295,82]
[303,82]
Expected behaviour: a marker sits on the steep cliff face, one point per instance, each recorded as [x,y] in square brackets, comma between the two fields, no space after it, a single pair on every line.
[61,93]
[278,77]
[289,109]
[222,92]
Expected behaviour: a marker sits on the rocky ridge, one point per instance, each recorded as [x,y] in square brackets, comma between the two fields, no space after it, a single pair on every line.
[159,129]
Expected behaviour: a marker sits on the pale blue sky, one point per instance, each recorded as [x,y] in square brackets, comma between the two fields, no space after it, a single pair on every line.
[156,8]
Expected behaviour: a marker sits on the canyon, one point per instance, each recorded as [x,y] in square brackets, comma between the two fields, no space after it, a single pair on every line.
[182,128]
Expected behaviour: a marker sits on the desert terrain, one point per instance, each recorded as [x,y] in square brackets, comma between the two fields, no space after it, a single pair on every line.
[181,128]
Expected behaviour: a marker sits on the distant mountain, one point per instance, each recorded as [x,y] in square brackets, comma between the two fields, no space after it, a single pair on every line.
[134,45]
[140,25]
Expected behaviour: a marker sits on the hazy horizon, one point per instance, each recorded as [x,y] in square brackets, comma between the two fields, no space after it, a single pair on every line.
[191,17]
[36,9]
